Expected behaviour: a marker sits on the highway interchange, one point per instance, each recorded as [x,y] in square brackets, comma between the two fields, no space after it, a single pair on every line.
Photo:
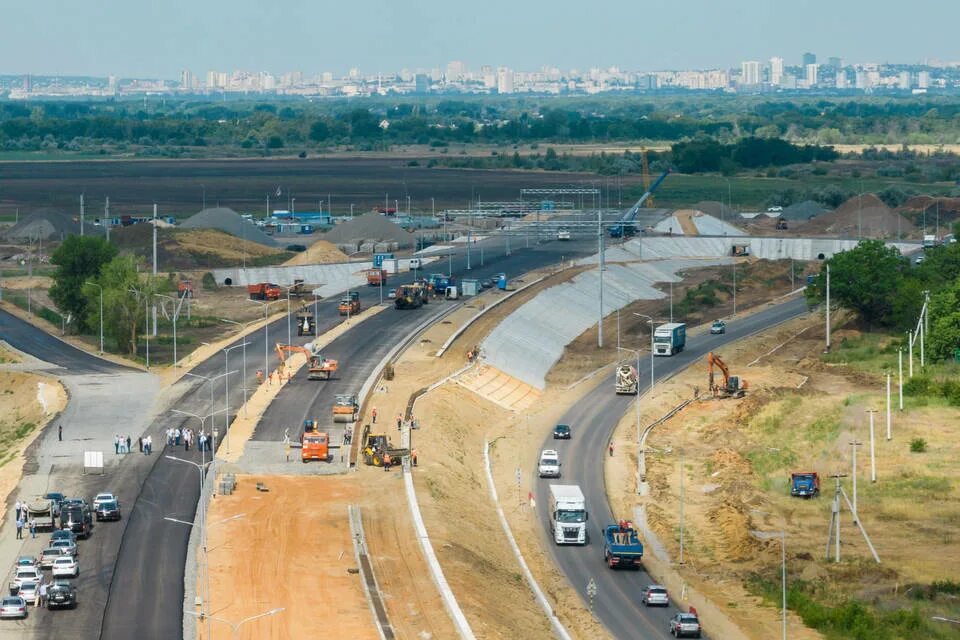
[138,580]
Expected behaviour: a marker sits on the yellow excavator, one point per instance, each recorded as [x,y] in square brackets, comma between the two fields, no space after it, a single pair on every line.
[375,445]
[733,386]
[320,368]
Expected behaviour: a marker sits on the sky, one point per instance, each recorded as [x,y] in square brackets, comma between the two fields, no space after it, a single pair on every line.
[158,39]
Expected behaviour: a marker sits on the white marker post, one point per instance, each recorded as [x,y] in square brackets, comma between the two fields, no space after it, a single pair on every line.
[889,436]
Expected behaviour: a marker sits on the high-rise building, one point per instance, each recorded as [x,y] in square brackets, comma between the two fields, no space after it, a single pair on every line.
[835,62]
[776,70]
[186,80]
[903,80]
[809,58]
[421,83]
[456,70]
[841,79]
[504,80]
[750,73]
[923,80]
[812,71]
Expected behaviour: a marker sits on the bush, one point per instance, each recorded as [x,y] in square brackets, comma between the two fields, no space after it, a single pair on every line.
[209,282]
[918,386]
[918,445]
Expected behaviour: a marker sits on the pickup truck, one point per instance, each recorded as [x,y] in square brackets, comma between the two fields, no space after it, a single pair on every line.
[621,546]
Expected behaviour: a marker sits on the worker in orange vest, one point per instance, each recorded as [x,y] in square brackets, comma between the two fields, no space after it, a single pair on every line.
[373,414]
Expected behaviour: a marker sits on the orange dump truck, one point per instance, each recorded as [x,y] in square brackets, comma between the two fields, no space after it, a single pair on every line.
[314,445]
[376,277]
[264,291]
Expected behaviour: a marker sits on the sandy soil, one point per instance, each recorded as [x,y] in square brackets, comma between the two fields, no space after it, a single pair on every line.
[26,282]
[799,415]
[452,490]
[25,399]
[686,224]
[320,252]
[285,553]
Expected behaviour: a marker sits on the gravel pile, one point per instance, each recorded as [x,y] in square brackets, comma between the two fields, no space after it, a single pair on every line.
[50,224]
[370,228]
[867,216]
[228,221]
[803,211]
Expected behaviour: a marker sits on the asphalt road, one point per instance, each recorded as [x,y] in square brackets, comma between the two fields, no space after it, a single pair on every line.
[147,589]
[592,421]
[27,338]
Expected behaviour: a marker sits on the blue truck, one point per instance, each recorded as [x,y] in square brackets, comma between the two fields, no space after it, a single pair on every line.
[622,548]
[805,484]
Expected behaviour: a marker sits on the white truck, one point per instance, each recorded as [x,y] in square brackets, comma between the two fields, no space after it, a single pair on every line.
[669,338]
[929,240]
[563,234]
[626,379]
[568,514]
[40,511]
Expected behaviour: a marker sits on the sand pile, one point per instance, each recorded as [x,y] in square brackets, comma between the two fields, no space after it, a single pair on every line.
[228,221]
[189,249]
[369,229]
[320,252]
[50,224]
[735,542]
[868,211]
[802,211]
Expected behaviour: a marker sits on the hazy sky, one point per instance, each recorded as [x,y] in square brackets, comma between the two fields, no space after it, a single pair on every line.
[158,38]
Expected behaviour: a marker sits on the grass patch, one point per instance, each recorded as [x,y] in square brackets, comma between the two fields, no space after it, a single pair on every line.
[914,487]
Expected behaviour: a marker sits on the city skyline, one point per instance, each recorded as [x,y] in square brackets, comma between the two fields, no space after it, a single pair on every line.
[159,41]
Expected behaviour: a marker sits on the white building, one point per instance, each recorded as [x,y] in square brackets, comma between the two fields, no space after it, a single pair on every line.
[923,80]
[504,80]
[750,73]
[776,70]
[812,72]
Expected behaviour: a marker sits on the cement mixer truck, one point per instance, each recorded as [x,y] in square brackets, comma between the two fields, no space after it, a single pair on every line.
[626,380]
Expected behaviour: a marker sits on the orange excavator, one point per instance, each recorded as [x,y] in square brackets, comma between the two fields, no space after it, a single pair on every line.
[320,368]
[733,386]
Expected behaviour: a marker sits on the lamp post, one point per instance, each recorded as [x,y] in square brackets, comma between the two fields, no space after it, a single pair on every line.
[235,627]
[101,312]
[209,379]
[176,314]
[244,345]
[226,390]
[266,335]
[783,570]
[636,352]
[651,321]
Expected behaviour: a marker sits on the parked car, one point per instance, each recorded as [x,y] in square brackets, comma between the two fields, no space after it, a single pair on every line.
[68,547]
[486,284]
[26,561]
[718,326]
[47,556]
[29,590]
[65,567]
[919,260]
[63,534]
[654,594]
[685,624]
[100,498]
[392,294]
[76,518]
[61,594]
[109,510]
[561,432]
[80,502]
[22,575]
[13,608]
[549,466]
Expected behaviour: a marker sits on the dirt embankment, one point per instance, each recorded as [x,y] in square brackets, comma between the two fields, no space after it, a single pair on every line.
[800,414]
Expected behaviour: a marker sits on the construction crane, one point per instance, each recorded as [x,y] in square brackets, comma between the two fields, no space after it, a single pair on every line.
[320,368]
[626,224]
[733,386]
[645,176]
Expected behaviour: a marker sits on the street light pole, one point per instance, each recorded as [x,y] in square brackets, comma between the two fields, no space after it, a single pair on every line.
[176,314]
[649,320]
[783,571]
[235,627]
[226,392]
[101,313]
[266,335]
[244,345]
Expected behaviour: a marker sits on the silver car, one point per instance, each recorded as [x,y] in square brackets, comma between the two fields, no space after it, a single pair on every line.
[68,547]
[685,625]
[29,591]
[655,595]
[13,607]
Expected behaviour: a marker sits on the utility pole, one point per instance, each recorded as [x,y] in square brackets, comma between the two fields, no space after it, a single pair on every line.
[106,217]
[889,378]
[81,215]
[910,345]
[834,530]
[828,308]
[873,455]
[734,286]
[900,368]
[853,445]
[600,265]
[155,268]
[681,492]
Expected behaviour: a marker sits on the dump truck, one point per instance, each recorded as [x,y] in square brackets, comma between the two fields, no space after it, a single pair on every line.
[314,445]
[264,291]
[622,548]
[669,338]
[306,323]
[185,288]
[40,510]
[376,448]
[627,381]
[410,296]
[349,303]
[345,407]
[376,277]
[568,514]
[732,387]
[297,289]
[805,484]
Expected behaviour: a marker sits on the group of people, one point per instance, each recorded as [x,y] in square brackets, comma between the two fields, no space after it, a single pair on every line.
[21,513]
[121,444]
[176,437]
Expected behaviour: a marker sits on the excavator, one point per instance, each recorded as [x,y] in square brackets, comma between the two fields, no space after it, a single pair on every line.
[320,368]
[733,386]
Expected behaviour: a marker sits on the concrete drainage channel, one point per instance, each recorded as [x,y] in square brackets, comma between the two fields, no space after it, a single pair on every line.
[370,587]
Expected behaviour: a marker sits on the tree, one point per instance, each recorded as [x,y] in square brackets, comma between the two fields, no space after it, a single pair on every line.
[945,322]
[124,291]
[865,280]
[78,259]
[319,131]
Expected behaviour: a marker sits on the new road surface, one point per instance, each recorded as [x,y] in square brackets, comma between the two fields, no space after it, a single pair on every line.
[592,420]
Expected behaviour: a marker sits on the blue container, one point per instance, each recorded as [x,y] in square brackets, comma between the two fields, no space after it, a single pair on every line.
[502,283]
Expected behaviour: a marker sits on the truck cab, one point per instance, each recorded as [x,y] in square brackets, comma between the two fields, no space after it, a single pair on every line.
[669,338]
[314,445]
[805,484]
[568,514]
